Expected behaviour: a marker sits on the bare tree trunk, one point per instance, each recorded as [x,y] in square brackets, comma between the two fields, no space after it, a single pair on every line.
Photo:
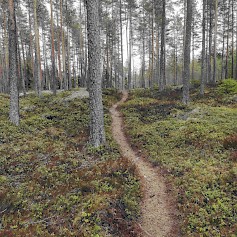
[97,134]
[215,39]
[13,75]
[69,60]
[210,43]
[31,45]
[130,50]
[37,45]
[203,66]
[232,34]
[121,46]
[223,43]
[227,44]
[52,49]
[162,50]
[63,46]
[24,67]
[6,55]
[236,50]
[186,77]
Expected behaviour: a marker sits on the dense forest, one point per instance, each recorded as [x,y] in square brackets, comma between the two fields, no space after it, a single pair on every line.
[118,118]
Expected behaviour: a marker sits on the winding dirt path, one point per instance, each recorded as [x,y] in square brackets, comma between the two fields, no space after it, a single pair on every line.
[158,211]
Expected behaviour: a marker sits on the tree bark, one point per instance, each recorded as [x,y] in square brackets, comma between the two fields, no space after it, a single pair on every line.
[215,41]
[13,75]
[121,44]
[162,50]
[186,74]
[37,50]
[203,64]
[52,49]
[97,134]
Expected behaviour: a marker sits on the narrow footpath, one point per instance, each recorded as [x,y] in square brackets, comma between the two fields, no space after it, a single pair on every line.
[158,211]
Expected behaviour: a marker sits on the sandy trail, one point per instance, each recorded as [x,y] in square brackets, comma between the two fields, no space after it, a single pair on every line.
[158,209]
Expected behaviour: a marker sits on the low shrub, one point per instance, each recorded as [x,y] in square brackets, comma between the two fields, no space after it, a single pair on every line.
[195,83]
[188,143]
[230,142]
[228,86]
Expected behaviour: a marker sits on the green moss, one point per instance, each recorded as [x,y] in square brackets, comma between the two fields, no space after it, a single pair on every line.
[188,143]
[52,182]
[228,86]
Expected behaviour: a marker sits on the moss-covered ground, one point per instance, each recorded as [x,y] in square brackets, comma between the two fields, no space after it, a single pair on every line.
[52,183]
[196,146]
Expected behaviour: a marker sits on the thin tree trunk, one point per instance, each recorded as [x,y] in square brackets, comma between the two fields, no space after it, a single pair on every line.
[31,45]
[162,51]
[121,46]
[236,49]
[6,54]
[215,39]
[130,51]
[37,45]
[210,43]
[232,34]
[13,75]
[63,46]
[186,78]
[203,68]
[24,66]
[227,44]
[52,49]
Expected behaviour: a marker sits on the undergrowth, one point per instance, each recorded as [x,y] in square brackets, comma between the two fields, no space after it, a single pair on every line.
[52,183]
[196,145]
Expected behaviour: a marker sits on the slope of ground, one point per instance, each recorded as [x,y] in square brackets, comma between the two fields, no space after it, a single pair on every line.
[52,183]
[158,219]
[196,145]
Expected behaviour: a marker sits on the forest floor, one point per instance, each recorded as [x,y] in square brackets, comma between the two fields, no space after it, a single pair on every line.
[52,183]
[195,147]
[81,93]
[158,215]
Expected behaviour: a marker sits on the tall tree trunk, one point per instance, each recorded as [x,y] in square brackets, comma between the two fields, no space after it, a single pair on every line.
[186,74]
[20,67]
[59,51]
[193,46]
[152,47]
[97,134]
[236,49]
[52,49]
[24,81]
[227,43]
[63,46]
[37,45]
[69,60]
[203,66]
[121,46]
[162,50]
[209,66]
[130,50]
[13,75]
[215,41]
[232,34]
[31,45]
[223,43]
[6,54]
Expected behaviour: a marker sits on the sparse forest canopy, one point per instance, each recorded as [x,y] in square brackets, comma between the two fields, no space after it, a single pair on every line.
[142,43]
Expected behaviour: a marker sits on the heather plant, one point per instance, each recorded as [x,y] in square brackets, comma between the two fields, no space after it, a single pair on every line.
[196,145]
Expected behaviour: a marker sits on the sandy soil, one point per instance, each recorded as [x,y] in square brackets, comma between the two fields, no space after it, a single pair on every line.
[159,215]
